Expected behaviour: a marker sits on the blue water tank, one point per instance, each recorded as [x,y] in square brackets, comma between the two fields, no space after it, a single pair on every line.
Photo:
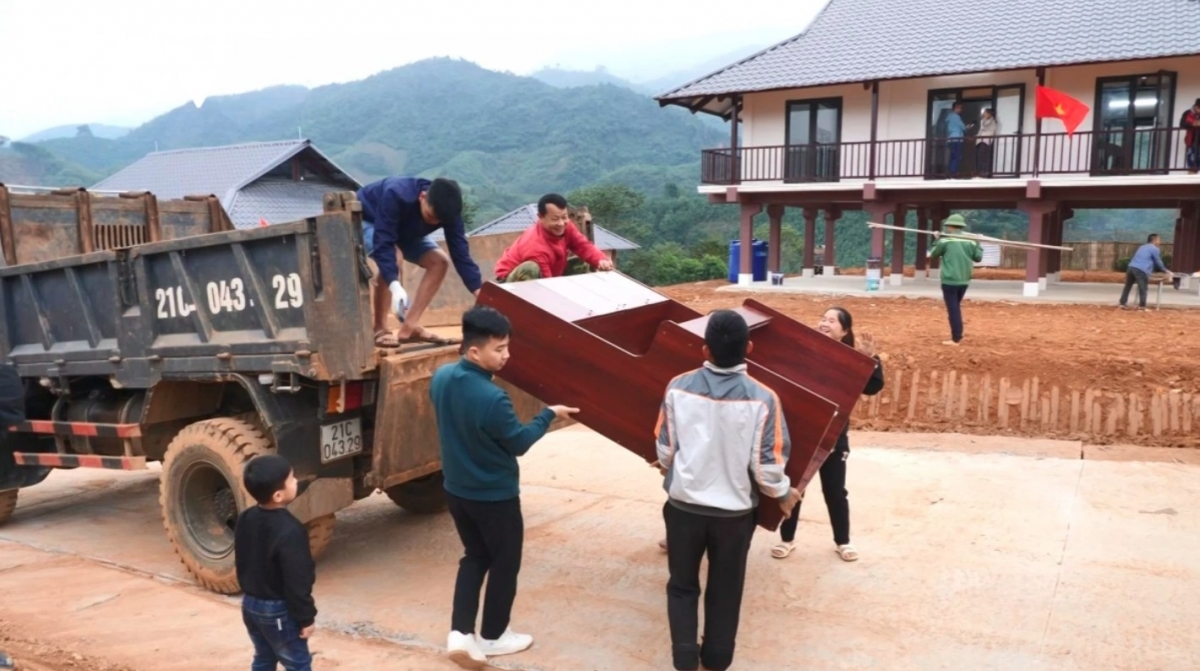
[758,260]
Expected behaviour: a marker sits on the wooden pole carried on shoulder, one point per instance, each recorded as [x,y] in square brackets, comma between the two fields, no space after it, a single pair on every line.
[971,236]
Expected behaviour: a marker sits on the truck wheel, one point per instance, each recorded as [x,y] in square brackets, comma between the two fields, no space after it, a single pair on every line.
[201,495]
[423,496]
[320,532]
[8,503]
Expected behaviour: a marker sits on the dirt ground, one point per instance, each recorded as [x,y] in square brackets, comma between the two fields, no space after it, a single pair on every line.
[1071,346]
[1089,564]
[32,654]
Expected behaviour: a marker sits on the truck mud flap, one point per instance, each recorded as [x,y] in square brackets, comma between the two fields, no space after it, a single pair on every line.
[567,329]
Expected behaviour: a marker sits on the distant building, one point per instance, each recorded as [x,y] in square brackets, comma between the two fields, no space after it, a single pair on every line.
[277,181]
[525,216]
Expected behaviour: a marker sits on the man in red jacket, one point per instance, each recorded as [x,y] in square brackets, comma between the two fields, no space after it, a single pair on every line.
[541,251]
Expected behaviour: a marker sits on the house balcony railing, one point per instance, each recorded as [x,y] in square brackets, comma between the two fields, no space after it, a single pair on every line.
[1151,151]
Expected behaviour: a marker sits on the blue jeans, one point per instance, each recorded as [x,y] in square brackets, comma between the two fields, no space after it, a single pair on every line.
[412,250]
[953,296]
[275,635]
[956,149]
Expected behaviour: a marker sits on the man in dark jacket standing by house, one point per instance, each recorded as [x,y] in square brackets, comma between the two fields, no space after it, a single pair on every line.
[399,213]
[959,257]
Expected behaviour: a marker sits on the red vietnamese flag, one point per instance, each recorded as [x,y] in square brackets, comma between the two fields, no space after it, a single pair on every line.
[1052,104]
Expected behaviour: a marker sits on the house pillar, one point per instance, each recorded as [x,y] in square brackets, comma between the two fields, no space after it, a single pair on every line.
[831,218]
[1054,276]
[878,213]
[921,262]
[1185,256]
[900,218]
[735,156]
[1050,220]
[746,239]
[810,240]
[775,216]
[1036,211]
[937,214]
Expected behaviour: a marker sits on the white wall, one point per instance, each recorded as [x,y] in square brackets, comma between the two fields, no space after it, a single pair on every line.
[903,104]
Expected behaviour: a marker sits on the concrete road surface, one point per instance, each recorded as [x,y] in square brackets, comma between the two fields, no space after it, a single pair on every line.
[972,558]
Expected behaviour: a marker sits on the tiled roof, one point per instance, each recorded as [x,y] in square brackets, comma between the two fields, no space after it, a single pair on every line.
[277,201]
[219,171]
[863,40]
[525,216]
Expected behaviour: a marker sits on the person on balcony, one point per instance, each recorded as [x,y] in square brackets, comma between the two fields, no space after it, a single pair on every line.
[399,214]
[1146,266]
[959,257]
[989,128]
[956,130]
[1191,137]
[541,251]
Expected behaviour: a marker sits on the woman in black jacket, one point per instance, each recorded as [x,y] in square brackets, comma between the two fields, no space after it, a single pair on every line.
[835,323]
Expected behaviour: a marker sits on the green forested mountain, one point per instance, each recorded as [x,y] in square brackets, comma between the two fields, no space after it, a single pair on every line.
[508,138]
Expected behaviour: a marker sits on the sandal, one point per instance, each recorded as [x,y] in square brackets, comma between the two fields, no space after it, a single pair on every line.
[386,339]
[847,552]
[426,337]
[782,550]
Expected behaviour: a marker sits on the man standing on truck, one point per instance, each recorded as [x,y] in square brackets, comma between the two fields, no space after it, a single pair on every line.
[541,251]
[399,213]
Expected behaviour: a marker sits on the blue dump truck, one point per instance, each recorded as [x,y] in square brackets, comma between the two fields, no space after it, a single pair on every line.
[151,331]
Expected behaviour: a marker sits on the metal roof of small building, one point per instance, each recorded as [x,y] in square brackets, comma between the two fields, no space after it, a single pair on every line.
[864,40]
[276,200]
[525,216]
[219,171]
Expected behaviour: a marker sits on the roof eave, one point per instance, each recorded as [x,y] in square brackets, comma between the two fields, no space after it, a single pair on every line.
[689,101]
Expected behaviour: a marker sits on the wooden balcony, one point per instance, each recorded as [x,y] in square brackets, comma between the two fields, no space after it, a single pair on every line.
[1151,151]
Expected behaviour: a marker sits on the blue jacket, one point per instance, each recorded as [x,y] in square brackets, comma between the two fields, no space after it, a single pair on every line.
[955,128]
[1148,259]
[393,206]
[480,433]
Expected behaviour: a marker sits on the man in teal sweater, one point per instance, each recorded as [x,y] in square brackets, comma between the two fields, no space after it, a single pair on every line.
[959,257]
[481,438]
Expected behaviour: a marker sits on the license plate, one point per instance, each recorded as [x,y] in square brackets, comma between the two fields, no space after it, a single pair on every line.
[340,440]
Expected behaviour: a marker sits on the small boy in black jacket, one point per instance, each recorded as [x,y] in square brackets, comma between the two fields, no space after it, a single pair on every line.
[275,569]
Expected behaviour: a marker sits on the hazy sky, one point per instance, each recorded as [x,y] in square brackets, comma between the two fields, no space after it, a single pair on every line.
[123,62]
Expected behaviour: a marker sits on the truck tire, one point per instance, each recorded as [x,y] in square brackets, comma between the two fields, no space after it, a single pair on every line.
[8,503]
[201,495]
[320,532]
[423,496]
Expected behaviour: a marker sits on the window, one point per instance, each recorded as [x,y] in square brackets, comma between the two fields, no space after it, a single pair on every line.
[946,158]
[1132,123]
[814,135]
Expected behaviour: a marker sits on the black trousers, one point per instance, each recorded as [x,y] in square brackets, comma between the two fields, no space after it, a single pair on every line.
[983,159]
[493,535]
[837,501]
[726,541]
[953,296]
[1139,277]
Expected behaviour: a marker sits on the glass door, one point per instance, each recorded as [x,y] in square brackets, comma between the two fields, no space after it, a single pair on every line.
[1132,124]
[814,130]
[937,151]
[1006,155]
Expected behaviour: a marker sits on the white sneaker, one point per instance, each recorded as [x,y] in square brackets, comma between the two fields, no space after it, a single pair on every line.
[464,651]
[510,642]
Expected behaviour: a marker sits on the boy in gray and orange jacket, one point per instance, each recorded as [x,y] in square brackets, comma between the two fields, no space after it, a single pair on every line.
[721,440]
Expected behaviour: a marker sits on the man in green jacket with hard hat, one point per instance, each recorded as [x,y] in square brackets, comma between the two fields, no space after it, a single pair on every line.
[959,257]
